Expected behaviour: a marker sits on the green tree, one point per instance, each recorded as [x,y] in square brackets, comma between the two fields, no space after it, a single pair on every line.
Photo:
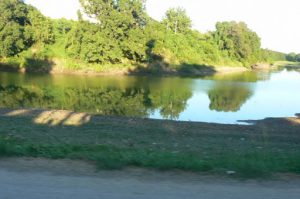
[120,31]
[21,26]
[12,22]
[121,24]
[40,28]
[241,43]
[177,20]
[271,56]
[298,57]
[86,41]
[293,57]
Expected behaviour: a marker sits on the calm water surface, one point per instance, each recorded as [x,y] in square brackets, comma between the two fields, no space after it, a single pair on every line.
[218,98]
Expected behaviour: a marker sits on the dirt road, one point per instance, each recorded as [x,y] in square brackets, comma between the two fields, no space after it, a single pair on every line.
[47,179]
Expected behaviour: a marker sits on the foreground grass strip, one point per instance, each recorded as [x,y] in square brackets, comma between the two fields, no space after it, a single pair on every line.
[250,165]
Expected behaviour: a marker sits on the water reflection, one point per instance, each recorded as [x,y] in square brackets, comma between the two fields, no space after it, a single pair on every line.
[228,97]
[134,101]
[248,76]
[170,102]
[219,98]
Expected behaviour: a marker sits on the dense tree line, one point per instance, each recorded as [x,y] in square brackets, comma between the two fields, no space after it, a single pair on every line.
[121,32]
[293,57]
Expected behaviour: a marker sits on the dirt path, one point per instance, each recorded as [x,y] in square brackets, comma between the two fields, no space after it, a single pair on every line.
[39,178]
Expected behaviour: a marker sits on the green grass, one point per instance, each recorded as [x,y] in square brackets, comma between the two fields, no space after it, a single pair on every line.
[249,165]
[115,143]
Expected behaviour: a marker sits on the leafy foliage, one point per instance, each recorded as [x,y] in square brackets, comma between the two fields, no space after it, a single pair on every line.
[12,27]
[116,35]
[177,20]
[238,41]
[21,26]
[119,32]
[270,56]
[293,57]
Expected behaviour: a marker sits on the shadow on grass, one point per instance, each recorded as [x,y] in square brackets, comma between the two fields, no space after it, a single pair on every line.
[195,69]
[29,65]
[50,118]
[35,65]
[10,67]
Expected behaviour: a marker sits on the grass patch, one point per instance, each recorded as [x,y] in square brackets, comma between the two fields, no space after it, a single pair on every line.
[114,143]
[248,165]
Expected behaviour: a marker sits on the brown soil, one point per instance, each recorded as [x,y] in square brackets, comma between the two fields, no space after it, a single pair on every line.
[42,178]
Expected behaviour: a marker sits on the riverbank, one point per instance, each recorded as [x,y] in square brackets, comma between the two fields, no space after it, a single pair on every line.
[65,66]
[62,66]
[268,147]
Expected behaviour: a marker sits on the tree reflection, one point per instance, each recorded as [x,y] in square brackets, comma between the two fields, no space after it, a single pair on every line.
[228,98]
[130,101]
[249,76]
[170,102]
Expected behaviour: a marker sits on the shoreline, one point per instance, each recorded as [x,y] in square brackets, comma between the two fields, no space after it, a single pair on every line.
[131,70]
[261,150]
[54,115]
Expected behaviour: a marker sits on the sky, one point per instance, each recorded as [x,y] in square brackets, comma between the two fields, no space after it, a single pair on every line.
[275,21]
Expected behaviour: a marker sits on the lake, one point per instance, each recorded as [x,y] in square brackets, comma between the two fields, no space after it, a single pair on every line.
[218,98]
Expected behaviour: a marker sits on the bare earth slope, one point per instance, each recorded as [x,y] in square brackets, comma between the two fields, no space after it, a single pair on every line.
[40,178]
